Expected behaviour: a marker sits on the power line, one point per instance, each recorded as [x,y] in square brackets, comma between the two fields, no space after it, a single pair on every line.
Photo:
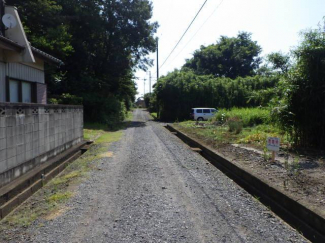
[198,30]
[184,33]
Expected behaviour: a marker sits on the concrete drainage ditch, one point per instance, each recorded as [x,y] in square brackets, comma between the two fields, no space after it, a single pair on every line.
[16,192]
[310,224]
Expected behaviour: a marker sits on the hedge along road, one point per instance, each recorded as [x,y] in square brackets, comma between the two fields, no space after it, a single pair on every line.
[155,189]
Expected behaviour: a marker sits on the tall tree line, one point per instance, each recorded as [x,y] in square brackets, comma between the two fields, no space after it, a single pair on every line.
[101,43]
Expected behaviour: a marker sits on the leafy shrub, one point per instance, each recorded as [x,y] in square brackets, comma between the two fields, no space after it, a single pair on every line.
[150,101]
[53,101]
[108,110]
[66,99]
[235,125]
[248,116]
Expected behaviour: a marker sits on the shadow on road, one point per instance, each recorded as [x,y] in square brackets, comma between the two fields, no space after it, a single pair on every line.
[135,124]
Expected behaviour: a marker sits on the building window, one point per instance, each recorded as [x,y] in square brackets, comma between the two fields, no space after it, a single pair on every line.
[19,91]
[14,91]
[26,92]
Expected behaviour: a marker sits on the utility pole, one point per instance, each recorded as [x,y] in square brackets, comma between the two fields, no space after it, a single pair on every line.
[144,87]
[150,82]
[157,59]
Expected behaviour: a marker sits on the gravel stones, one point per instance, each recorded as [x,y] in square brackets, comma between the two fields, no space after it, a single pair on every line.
[155,189]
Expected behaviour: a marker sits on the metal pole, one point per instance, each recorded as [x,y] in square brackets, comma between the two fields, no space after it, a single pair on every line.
[150,82]
[157,59]
[144,87]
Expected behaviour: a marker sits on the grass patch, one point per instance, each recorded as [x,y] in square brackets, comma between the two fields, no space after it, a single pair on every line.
[67,178]
[109,137]
[93,131]
[154,115]
[235,126]
[257,135]
[129,116]
[72,175]
[59,197]
[249,116]
[23,219]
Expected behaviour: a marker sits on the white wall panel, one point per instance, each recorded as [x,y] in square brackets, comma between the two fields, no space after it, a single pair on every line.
[23,72]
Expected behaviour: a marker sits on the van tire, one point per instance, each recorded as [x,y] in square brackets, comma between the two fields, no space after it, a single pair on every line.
[200,119]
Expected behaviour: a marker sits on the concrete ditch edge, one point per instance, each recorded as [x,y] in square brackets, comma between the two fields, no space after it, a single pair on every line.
[29,185]
[311,224]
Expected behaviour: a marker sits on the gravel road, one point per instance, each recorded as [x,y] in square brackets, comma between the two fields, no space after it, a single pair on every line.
[155,189]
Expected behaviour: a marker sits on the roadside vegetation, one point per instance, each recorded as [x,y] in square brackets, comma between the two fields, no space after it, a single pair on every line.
[249,126]
[279,95]
[154,115]
[49,202]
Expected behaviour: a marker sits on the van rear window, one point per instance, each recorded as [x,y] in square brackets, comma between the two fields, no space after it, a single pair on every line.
[199,111]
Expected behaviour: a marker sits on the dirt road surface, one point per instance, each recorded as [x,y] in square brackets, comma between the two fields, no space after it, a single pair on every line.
[155,189]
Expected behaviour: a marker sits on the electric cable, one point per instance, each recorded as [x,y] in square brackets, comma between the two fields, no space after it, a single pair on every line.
[198,30]
[184,33]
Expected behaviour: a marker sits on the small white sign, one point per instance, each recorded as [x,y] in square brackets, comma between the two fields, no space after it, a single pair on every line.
[273,144]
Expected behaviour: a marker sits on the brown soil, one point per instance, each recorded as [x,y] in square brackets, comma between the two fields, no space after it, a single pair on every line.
[302,177]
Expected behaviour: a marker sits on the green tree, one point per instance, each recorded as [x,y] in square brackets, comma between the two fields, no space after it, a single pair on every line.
[43,23]
[279,61]
[111,39]
[302,111]
[229,57]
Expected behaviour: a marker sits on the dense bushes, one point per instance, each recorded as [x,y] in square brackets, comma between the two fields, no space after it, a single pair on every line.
[180,91]
[108,110]
[302,110]
[150,101]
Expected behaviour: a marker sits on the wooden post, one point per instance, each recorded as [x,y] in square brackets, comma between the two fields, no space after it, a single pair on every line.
[273,144]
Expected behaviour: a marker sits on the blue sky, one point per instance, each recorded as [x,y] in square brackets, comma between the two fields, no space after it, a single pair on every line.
[274,24]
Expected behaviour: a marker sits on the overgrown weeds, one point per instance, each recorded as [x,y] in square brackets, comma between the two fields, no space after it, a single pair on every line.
[248,116]
[235,125]
[233,132]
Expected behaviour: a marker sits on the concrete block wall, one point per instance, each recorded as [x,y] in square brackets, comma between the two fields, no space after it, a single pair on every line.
[30,134]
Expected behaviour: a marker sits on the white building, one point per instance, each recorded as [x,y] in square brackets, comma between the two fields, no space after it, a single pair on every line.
[22,77]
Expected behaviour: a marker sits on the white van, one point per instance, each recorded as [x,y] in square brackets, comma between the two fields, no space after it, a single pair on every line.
[201,114]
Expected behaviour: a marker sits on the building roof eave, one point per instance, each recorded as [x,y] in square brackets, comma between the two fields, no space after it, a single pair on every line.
[10,45]
[46,57]
[13,46]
